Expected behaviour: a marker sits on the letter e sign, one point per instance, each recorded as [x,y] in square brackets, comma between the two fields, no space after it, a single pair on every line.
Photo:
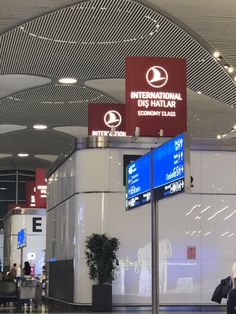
[37,224]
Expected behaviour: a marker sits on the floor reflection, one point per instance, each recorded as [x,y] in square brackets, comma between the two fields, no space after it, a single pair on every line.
[44,309]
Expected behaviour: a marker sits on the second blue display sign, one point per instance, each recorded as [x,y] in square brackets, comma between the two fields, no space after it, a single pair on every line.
[165,169]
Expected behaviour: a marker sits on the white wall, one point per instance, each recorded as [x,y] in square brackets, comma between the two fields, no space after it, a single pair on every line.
[206,222]
[61,183]
[35,240]
[97,204]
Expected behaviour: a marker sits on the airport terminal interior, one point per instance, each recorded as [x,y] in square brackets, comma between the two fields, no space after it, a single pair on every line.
[118,124]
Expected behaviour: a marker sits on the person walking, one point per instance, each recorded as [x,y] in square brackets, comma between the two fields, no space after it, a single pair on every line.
[13,270]
[27,269]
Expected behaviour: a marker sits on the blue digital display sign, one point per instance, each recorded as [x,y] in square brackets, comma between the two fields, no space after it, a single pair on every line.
[169,172]
[169,167]
[138,182]
[21,239]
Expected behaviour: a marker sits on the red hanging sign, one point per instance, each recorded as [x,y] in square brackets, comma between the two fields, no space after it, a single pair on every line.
[156,96]
[102,117]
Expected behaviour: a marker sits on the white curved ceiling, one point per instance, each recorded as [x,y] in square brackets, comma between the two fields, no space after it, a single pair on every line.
[214,21]
[6,128]
[42,41]
[75,131]
[13,12]
[50,158]
[114,88]
[12,83]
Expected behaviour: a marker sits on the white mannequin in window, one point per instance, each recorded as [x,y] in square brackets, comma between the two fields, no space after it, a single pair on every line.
[165,251]
[145,280]
[144,258]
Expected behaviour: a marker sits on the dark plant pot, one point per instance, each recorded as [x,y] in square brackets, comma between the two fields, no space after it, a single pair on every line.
[102,298]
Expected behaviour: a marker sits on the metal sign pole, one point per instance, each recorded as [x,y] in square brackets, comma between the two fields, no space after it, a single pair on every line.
[21,261]
[155,247]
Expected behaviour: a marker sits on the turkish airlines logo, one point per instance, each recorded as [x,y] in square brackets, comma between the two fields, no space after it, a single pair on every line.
[112,118]
[157,76]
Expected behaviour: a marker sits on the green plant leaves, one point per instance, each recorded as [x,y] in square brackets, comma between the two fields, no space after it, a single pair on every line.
[100,255]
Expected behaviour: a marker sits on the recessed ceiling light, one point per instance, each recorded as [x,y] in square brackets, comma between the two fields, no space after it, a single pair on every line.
[230,69]
[218,137]
[199,92]
[234,127]
[22,155]
[39,127]
[67,80]
[226,66]
[216,54]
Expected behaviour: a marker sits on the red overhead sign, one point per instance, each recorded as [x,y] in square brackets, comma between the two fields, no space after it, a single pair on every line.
[103,116]
[156,96]
[30,190]
[41,188]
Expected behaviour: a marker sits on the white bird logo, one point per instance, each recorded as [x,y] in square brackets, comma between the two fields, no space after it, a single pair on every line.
[156,76]
[112,118]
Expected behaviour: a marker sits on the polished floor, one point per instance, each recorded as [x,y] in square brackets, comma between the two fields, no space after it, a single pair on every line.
[44,309]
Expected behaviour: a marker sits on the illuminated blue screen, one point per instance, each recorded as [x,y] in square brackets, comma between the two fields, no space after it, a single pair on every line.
[168,167]
[168,173]
[139,181]
[21,239]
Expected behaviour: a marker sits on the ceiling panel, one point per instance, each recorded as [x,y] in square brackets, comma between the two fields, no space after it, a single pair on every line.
[75,131]
[92,39]
[13,12]
[115,88]
[53,105]
[34,142]
[5,128]
[49,158]
[212,20]
[12,83]
[23,163]
[5,155]
[208,117]
[89,40]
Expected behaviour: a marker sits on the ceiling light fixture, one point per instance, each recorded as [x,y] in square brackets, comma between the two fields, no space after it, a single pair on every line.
[67,80]
[218,137]
[234,127]
[217,55]
[40,127]
[230,69]
[199,92]
[22,155]
[226,66]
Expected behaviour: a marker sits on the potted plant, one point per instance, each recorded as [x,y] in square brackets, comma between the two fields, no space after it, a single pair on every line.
[100,256]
